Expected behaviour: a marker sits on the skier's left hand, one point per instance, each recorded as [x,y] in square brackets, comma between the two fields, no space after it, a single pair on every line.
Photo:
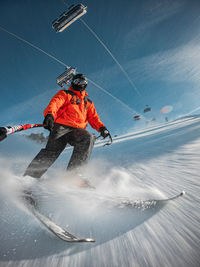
[104,132]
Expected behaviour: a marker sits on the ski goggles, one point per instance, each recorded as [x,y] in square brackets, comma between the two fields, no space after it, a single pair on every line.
[80,81]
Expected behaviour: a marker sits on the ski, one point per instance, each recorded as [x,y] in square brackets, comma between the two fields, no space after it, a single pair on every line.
[173,197]
[144,204]
[50,225]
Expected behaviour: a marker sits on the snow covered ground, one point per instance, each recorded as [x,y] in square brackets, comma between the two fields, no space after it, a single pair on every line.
[154,163]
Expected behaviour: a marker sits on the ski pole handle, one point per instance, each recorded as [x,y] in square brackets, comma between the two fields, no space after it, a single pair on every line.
[109,142]
[5,131]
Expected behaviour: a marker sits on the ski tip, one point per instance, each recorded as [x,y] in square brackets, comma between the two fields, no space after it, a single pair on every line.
[182,193]
[89,240]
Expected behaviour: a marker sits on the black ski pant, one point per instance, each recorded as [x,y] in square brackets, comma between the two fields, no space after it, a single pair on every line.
[60,136]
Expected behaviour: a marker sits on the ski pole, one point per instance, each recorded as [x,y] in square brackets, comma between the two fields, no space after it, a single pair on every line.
[5,131]
[109,142]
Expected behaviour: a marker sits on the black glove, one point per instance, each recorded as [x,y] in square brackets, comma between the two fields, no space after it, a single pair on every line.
[3,133]
[104,132]
[49,122]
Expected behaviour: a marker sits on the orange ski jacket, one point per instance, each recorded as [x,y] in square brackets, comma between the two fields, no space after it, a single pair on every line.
[74,109]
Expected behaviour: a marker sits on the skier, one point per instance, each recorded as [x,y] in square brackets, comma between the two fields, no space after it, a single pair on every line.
[66,117]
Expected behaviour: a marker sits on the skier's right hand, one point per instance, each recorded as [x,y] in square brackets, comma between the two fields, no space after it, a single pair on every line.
[104,132]
[49,122]
[3,133]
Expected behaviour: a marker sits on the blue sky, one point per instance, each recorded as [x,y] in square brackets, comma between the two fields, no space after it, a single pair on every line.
[156,42]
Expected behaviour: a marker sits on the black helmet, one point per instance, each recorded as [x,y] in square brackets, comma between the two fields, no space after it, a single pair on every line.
[79,82]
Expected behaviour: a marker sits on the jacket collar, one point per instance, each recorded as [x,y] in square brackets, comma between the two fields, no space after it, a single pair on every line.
[78,93]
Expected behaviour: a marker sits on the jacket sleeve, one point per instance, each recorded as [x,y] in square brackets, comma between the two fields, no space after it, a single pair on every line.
[56,102]
[93,118]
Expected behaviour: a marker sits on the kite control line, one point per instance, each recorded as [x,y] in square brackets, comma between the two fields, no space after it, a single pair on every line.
[5,131]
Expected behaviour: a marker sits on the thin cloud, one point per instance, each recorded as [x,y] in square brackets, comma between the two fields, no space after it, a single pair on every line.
[29,107]
[36,137]
[175,65]
[153,13]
